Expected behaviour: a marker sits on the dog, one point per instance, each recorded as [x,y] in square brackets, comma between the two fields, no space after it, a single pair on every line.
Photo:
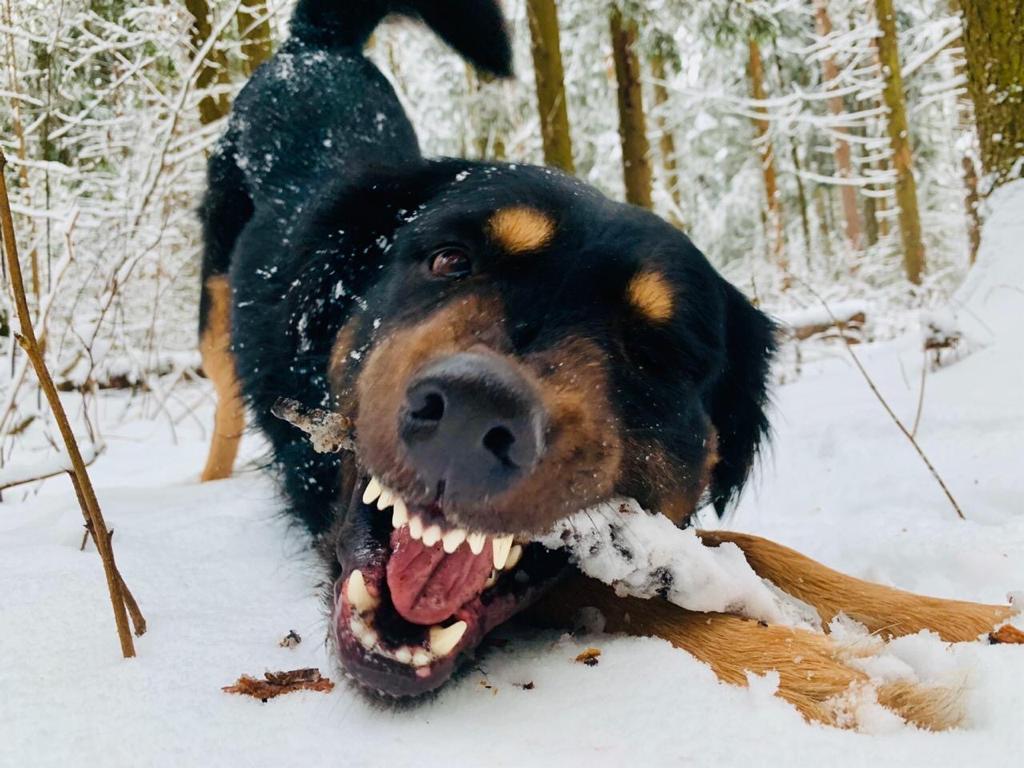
[511,346]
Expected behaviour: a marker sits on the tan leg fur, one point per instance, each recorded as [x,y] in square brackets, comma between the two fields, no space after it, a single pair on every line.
[884,611]
[219,365]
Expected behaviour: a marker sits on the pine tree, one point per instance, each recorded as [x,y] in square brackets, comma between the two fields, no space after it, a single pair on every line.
[545,46]
[636,163]
[899,138]
[994,46]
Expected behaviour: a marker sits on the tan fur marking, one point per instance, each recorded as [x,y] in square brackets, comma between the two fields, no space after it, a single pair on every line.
[219,366]
[521,229]
[885,611]
[584,450]
[651,294]
[814,673]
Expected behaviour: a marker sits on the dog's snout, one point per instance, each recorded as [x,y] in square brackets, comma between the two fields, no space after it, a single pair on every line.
[474,422]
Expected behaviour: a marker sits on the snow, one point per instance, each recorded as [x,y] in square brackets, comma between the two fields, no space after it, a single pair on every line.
[644,555]
[222,577]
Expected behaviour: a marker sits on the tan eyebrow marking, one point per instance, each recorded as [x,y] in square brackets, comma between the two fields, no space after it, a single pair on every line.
[650,293]
[520,229]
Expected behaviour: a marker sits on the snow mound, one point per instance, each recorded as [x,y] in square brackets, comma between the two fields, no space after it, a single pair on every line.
[990,303]
[645,555]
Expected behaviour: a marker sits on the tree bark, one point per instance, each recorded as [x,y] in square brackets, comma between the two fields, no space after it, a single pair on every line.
[841,147]
[257,40]
[636,163]
[765,153]
[667,139]
[994,47]
[550,79]
[899,139]
[215,68]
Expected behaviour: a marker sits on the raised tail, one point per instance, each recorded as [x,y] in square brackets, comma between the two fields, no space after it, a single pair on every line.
[474,28]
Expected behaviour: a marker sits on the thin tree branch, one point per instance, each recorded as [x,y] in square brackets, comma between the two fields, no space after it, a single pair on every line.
[896,419]
[87,497]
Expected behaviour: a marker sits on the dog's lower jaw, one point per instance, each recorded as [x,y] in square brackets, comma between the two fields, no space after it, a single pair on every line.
[390,656]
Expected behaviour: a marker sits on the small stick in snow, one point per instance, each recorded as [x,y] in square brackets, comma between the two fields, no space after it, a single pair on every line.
[885,404]
[83,486]
[329,432]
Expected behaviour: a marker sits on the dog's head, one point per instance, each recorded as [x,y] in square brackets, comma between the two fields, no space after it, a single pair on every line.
[516,347]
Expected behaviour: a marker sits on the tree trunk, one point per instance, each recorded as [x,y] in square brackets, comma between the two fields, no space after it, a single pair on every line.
[972,203]
[667,140]
[765,153]
[214,70]
[636,164]
[550,78]
[899,138]
[994,47]
[841,148]
[254,28]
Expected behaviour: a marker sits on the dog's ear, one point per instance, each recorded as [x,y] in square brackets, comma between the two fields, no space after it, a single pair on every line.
[740,395]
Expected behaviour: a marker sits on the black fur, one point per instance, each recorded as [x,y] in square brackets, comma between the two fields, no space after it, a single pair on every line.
[321,208]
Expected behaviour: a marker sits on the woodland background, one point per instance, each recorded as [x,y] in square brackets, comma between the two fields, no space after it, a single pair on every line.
[812,148]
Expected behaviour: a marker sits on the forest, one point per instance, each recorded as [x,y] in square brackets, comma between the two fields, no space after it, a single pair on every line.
[854,167]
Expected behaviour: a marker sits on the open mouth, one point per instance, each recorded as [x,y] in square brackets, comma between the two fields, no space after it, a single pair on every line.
[417,591]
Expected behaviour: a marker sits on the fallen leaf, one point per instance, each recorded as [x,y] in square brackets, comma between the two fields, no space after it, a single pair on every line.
[279,683]
[589,657]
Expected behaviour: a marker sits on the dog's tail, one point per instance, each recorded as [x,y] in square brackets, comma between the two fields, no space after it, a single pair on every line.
[474,28]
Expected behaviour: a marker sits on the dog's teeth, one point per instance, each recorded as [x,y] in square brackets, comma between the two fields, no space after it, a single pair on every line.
[502,545]
[387,498]
[513,556]
[400,514]
[420,658]
[444,639]
[476,542]
[491,580]
[404,655]
[432,535]
[372,491]
[452,539]
[415,527]
[359,596]
[368,638]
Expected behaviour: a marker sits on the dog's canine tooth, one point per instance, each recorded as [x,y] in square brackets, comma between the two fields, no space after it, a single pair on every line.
[372,491]
[501,545]
[476,542]
[387,498]
[432,535]
[400,514]
[514,556]
[404,655]
[420,658]
[444,639]
[359,596]
[491,580]
[452,539]
[415,527]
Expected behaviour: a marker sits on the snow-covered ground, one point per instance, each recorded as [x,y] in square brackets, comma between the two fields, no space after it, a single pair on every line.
[222,577]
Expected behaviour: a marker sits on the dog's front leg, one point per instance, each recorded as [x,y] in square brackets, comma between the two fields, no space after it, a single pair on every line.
[884,611]
[814,673]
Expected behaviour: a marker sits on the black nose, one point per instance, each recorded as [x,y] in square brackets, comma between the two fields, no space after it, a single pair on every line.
[474,422]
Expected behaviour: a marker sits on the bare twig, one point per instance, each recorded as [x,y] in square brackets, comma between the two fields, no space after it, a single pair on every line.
[896,419]
[920,395]
[329,432]
[86,494]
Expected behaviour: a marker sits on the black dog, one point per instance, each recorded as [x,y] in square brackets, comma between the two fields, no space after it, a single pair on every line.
[511,345]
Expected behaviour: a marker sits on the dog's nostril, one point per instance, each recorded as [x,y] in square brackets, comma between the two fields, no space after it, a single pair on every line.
[499,441]
[431,408]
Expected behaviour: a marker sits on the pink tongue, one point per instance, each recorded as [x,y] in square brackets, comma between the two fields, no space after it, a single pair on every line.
[427,585]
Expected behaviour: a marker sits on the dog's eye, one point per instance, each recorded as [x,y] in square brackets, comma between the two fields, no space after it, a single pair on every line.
[450,262]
